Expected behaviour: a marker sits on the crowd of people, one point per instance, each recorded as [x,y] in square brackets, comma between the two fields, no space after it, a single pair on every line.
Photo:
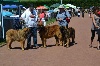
[32,17]
[31,21]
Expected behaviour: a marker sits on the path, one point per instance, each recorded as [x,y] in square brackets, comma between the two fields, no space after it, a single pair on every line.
[76,55]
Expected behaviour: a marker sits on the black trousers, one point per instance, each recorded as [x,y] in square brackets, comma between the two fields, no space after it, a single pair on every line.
[93,34]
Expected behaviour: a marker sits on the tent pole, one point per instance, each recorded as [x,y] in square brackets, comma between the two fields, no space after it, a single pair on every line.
[2,22]
[61,1]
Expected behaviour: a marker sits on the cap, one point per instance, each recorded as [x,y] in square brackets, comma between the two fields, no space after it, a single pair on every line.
[61,6]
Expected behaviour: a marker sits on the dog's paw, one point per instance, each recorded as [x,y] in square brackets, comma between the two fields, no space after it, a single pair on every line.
[56,44]
[67,46]
[8,48]
[61,44]
[22,49]
[98,49]
[41,46]
[45,47]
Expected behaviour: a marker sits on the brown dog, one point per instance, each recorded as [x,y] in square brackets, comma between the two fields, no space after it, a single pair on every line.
[47,32]
[16,35]
[65,36]
[72,34]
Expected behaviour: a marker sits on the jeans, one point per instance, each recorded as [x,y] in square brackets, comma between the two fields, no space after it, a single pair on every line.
[33,32]
[63,23]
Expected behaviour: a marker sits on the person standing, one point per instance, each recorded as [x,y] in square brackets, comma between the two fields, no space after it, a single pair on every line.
[95,25]
[98,29]
[61,16]
[78,13]
[42,18]
[83,13]
[89,13]
[29,16]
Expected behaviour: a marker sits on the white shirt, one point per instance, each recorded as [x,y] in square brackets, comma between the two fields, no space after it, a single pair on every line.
[30,22]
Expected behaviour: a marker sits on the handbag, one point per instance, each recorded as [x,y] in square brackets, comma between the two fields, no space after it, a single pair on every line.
[67,19]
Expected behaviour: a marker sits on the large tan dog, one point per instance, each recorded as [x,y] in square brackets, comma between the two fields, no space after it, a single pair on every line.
[47,32]
[16,35]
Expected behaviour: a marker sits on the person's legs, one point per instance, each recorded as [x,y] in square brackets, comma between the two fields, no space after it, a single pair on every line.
[98,45]
[83,15]
[29,39]
[78,15]
[67,26]
[92,37]
[34,31]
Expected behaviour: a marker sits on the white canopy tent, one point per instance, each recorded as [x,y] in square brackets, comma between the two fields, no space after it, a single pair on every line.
[70,5]
[55,10]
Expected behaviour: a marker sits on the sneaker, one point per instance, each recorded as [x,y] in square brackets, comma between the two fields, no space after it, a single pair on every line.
[37,47]
[27,48]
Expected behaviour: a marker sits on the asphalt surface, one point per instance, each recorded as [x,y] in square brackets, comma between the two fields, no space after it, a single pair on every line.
[76,55]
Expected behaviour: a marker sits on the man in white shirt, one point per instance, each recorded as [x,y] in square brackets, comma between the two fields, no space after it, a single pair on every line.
[30,21]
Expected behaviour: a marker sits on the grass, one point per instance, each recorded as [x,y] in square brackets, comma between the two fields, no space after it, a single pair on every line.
[50,21]
[2,42]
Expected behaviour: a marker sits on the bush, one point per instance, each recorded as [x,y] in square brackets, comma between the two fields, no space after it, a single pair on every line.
[2,42]
[51,20]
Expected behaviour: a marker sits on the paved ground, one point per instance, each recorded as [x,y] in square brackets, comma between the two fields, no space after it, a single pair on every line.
[76,55]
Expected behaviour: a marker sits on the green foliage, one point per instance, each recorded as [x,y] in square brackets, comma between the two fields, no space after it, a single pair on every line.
[50,20]
[81,3]
[2,42]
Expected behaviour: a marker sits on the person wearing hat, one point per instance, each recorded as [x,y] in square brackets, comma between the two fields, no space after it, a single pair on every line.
[95,25]
[61,16]
[30,20]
